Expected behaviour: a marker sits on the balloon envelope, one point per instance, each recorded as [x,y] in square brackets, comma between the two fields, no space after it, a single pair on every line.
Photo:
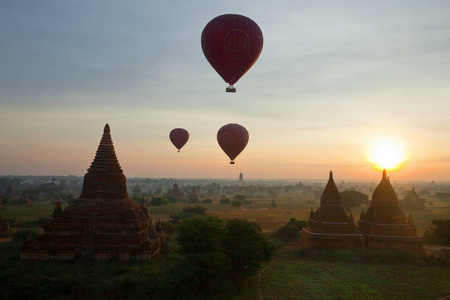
[232,138]
[232,44]
[179,137]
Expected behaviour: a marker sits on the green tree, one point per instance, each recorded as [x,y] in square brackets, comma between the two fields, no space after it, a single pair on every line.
[207,201]
[158,201]
[439,233]
[412,201]
[246,247]
[200,241]
[236,203]
[353,199]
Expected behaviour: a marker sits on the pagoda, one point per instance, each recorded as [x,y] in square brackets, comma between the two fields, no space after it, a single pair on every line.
[103,224]
[384,225]
[24,199]
[330,227]
[4,227]
[176,192]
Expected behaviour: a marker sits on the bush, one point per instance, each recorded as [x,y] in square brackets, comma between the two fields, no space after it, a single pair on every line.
[287,233]
[439,233]
[225,201]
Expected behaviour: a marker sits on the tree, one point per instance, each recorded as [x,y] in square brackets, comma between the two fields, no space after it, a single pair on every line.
[246,247]
[225,201]
[158,201]
[273,204]
[200,241]
[412,201]
[439,233]
[207,201]
[236,203]
[353,199]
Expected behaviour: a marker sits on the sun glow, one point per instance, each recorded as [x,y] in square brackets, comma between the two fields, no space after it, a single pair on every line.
[386,154]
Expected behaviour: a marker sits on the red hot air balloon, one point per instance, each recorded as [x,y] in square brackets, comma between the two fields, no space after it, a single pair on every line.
[179,137]
[232,139]
[232,44]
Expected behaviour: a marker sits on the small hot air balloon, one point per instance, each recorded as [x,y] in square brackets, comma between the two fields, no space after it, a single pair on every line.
[232,44]
[179,137]
[232,139]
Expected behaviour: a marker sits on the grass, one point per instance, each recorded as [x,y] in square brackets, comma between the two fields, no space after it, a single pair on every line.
[293,274]
[342,276]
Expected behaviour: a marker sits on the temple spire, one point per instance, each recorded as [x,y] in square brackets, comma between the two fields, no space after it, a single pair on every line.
[384,175]
[105,160]
[330,193]
[58,210]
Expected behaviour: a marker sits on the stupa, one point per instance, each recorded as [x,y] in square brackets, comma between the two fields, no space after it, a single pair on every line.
[330,227]
[384,225]
[103,224]
[24,199]
[176,192]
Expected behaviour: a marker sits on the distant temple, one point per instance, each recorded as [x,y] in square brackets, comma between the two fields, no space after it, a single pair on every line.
[4,227]
[176,192]
[24,199]
[103,224]
[193,194]
[241,177]
[10,192]
[330,227]
[384,225]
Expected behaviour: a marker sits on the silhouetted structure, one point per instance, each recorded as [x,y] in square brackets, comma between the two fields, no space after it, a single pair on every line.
[176,192]
[193,194]
[104,223]
[241,177]
[4,227]
[24,199]
[384,225]
[10,192]
[330,227]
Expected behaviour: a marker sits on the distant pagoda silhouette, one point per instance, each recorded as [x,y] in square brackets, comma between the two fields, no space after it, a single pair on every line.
[24,199]
[384,225]
[330,227]
[103,224]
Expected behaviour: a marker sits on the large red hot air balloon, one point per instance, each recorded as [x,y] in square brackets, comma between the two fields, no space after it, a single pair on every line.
[232,139]
[232,44]
[179,137]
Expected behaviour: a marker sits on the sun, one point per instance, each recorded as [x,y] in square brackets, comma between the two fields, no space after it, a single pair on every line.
[386,154]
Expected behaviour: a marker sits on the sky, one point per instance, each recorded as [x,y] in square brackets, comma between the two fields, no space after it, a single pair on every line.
[332,77]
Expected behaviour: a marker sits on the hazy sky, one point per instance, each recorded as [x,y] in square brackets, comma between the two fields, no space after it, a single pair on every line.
[332,76]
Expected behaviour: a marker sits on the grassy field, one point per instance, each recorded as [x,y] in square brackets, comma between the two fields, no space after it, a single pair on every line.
[292,274]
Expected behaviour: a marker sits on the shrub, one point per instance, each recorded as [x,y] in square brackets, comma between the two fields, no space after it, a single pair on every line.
[287,233]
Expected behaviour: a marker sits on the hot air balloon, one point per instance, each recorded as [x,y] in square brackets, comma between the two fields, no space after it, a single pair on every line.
[179,137]
[232,139]
[232,44]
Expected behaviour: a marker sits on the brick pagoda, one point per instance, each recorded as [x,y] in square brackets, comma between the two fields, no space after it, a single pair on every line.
[330,227]
[384,225]
[103,224]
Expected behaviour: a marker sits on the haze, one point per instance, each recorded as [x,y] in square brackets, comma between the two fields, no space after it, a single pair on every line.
[332,76]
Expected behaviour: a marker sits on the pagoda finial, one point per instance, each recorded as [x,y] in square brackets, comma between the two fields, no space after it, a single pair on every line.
[311,214]
[330,193]
[58,209]
[384,175]
[106,129]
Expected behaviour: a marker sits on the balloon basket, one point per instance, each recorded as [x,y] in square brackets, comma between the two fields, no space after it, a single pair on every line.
[231,89]
[231,162]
